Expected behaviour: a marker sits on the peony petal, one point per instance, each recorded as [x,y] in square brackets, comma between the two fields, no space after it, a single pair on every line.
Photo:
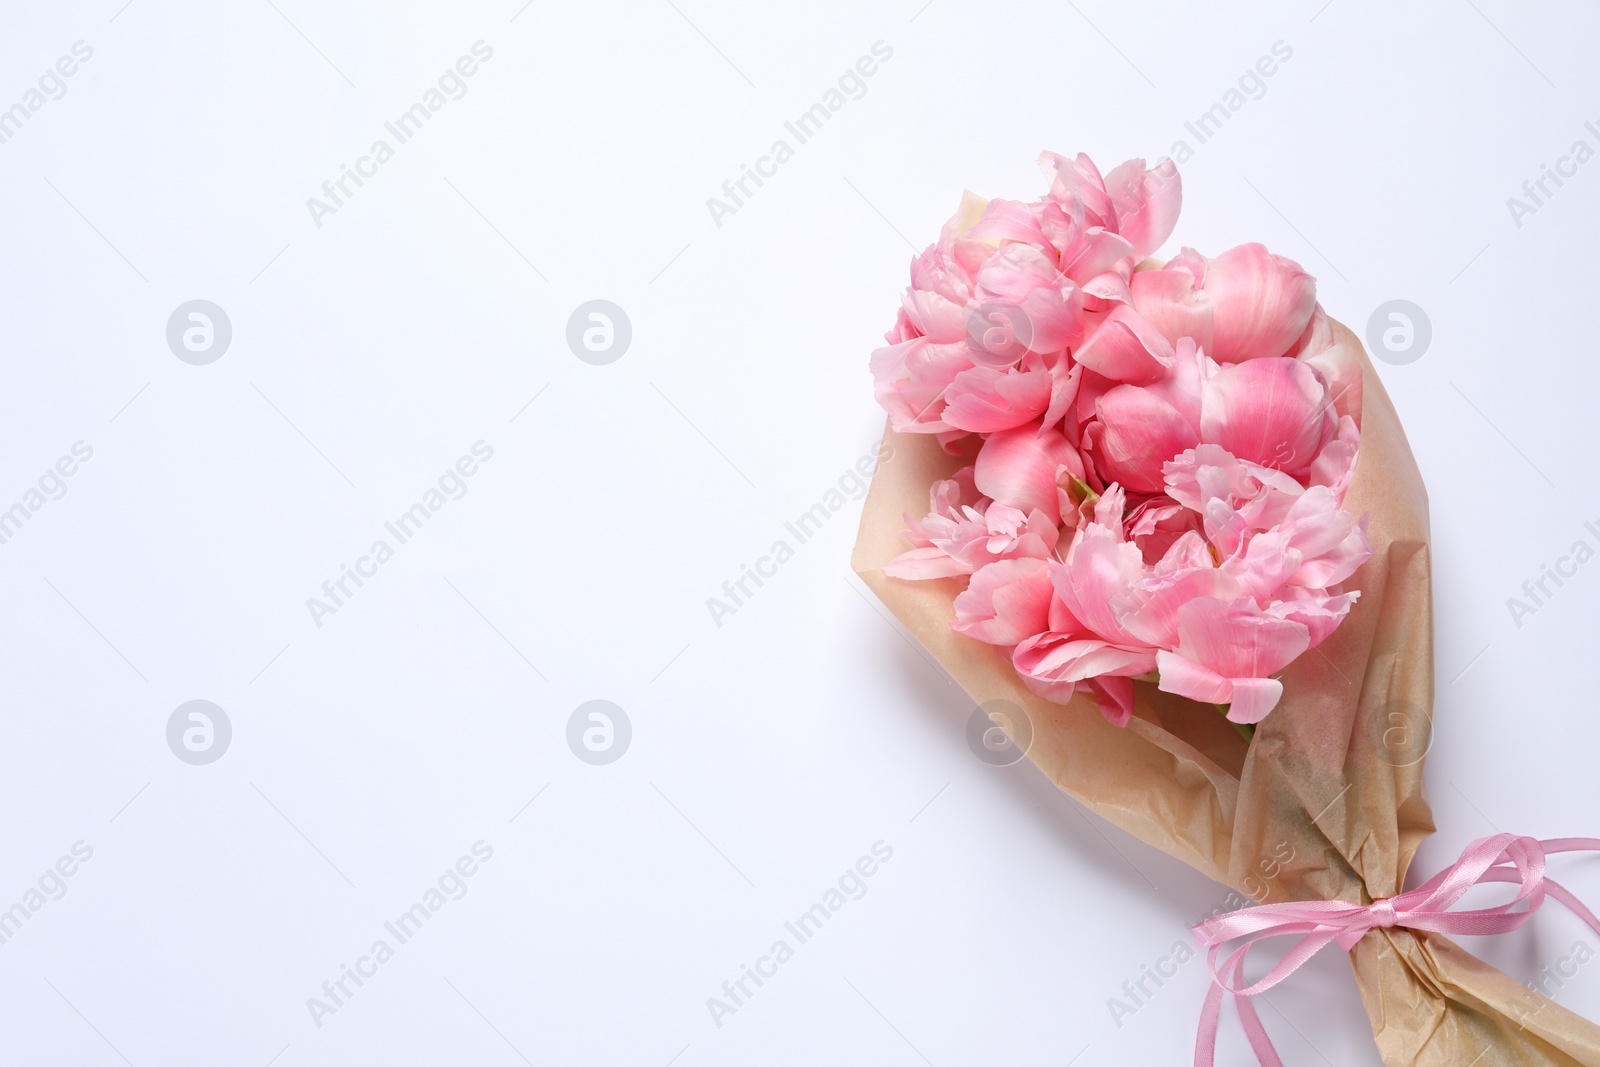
[1126,348]
[1170,302]
[1096,251]
[1142,428]
[1150,611]
[1057,658]
[1147,202]
[1237,640]
[1054,317]
[985,400]
[1114,695]
[1006,602]
[920,564]
[1095,583]
[1018,467]
[1339,363]
[1261,303]
[1273,412]
[910,379]
[1252,698]
[1079,178]
[1335,465]
[1319,614]
[934,316]
[1185,678]
[1007,220]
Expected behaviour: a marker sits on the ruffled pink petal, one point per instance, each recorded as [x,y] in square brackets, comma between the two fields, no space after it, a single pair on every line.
[1208,472]
[1064,379]
[1015,271]
[1238,640]
[1094,583]
[934,316]
[1150,611]
[984,400]
[1126,348]
[1147,202]
[1105,289]
[1248,699]
[1169,301]
[1185,678]
[1273,412]
[1338,563]
[934,271]
[1339,363]
[1018,467]
[1057,658]
[920,564]
[1114,696]
[1054,315]
[1252,698]
[1335,465]
[1011,533]
[909,380]
[1022,294]
[1319,613]
[1006,602]
[1008,220]
[1144,427]
[1261,303]
[1097,251]
[1079,178]
[1317,338]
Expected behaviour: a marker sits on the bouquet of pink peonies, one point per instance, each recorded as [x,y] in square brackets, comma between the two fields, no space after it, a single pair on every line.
[1141,497]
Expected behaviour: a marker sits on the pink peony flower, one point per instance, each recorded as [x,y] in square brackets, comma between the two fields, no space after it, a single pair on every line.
[1274,412]
[1164,453]
[1140,427]
[957,538]
[1007,601]
[1245,304]
[1227,653]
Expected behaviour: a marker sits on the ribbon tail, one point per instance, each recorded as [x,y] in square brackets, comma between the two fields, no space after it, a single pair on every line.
[1259,1041]
[1225,979]
[1205,1043]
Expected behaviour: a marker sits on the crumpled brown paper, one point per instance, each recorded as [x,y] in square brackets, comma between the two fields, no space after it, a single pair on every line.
[1325,803]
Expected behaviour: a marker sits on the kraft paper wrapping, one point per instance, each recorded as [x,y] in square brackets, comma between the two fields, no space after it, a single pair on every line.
[1325,803]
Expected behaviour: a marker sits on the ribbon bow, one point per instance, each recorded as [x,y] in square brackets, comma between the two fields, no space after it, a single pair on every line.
[1501,858]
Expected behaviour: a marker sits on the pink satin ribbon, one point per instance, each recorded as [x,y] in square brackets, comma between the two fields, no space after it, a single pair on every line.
[1501,858]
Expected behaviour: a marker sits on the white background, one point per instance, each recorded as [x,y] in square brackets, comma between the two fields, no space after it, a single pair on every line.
[767,754]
